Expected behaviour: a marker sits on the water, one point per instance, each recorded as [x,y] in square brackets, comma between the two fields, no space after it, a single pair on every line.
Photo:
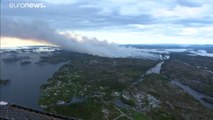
[119,103]
[24,88]
[155,69]
[77,99]
[197,95]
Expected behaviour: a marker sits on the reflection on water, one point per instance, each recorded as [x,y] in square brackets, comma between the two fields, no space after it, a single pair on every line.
[24,88]
[155,69]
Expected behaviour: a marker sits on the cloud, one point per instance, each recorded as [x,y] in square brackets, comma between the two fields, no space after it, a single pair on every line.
[165,17]
[60,2]
[183,12]
[190,3]
[41,31]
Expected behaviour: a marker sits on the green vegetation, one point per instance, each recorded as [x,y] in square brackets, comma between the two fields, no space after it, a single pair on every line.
[190,70]
[94,79]
[128,101]
[135,114]
[97,81]
[202,61]
[4,82]
[175,104]
[86,110]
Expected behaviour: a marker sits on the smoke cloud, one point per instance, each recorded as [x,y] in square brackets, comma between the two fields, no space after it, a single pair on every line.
[41,31]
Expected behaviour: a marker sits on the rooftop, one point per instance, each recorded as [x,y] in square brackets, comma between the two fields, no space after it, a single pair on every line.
[16,112]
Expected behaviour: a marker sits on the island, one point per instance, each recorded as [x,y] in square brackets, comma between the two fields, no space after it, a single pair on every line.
[4,82]
[25,62]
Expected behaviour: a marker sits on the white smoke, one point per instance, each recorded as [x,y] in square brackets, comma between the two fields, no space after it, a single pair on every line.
[41,31]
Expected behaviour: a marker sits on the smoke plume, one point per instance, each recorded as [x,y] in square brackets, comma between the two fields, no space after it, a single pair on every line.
[41,31]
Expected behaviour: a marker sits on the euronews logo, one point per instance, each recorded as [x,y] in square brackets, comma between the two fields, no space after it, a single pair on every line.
[27,5]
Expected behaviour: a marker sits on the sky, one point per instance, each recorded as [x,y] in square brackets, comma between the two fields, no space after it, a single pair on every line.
[116,21]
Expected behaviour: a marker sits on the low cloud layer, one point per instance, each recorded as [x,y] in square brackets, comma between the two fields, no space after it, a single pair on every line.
[41,31]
